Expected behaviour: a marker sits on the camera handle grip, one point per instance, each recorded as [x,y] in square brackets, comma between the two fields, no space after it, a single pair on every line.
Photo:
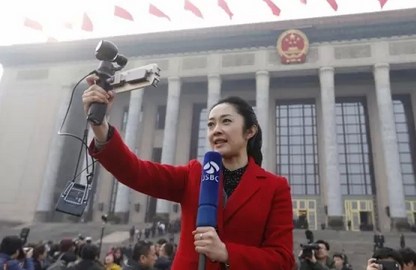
[97,111]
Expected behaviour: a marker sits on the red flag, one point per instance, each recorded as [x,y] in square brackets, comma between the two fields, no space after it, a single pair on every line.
[87,23]
[275,10]
[333,4]
[304,1]
[157,12]
[122,13]
[382,2]
[192,8]
[33,24]
[222,4]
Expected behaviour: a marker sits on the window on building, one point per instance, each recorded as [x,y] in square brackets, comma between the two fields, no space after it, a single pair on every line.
[161,117]
[405,129]
[297,145]
[354,149]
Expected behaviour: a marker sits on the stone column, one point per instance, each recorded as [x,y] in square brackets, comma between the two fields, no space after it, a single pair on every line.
[390,148]
[46,204]
[170,133]
[214,95]
[122,205]
[262,105]
[334,195]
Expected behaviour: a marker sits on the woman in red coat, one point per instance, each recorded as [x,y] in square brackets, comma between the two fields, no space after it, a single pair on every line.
[255,219]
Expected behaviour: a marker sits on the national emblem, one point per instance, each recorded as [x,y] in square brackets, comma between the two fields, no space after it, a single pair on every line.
[292,46]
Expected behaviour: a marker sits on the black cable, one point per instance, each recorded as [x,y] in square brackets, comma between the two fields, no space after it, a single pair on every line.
[83,140]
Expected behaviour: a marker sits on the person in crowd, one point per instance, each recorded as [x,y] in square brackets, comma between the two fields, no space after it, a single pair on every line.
[340,262]
[11,250]
[67,251]
[118,256]
[89,259]
[402,241]
[378,240]
[39,255]
[320,259]
[255,213]
[409,258]
[52,254]
[164,262]
[143,258]
[109,262]
[159,244]
[132,233]
[385,255]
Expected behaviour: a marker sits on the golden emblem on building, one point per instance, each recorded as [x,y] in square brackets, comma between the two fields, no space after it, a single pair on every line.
[292,46]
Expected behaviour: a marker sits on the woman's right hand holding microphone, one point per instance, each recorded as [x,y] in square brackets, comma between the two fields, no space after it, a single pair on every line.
[95,94]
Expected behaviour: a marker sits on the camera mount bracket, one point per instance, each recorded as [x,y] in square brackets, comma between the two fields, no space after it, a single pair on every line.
[136,78]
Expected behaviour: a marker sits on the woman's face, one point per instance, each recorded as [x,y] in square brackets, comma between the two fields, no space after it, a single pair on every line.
[109,258]
[117,254]
[225,130]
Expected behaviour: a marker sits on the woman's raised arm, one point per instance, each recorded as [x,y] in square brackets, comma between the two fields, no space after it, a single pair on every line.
[157,180]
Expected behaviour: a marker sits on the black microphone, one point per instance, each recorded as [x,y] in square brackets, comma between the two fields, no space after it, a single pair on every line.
[208,195]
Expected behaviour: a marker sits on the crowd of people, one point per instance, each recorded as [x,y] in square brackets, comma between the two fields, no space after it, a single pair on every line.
[317,256]
[82,254]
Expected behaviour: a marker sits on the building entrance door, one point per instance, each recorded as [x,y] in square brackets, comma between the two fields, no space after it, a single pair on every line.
[360,213]
[305,210]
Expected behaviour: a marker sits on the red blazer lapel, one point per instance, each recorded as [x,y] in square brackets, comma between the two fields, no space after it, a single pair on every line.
[248,186]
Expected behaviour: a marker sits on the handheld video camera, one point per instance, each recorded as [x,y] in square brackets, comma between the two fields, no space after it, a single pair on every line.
[387,265]
[307,250]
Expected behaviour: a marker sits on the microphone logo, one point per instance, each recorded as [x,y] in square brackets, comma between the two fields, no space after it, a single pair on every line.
[211,167]
[211,172]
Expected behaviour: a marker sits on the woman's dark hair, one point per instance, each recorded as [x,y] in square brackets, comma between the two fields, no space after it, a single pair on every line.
[10,245]
[54,248]
[168,248]
[38,251]
[250,119]
[90,252]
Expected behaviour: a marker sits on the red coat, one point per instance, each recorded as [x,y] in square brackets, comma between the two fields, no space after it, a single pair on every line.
[256,225]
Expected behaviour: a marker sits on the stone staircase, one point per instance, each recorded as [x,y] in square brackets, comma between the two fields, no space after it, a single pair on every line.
[57,231]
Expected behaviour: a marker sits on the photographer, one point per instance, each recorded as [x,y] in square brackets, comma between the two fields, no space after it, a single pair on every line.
[385,259]
[340,262]
[12,254]
[409,258]
[316,257]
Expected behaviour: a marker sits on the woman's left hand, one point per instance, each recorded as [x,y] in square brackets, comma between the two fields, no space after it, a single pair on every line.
[209,243]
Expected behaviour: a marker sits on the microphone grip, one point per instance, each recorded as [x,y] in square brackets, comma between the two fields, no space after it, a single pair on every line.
[97,111]
[202,262]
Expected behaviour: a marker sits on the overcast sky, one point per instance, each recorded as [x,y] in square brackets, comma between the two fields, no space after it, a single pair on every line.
[53,14]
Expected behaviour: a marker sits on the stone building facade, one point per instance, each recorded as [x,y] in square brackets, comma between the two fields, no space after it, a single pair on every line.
[340,127]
